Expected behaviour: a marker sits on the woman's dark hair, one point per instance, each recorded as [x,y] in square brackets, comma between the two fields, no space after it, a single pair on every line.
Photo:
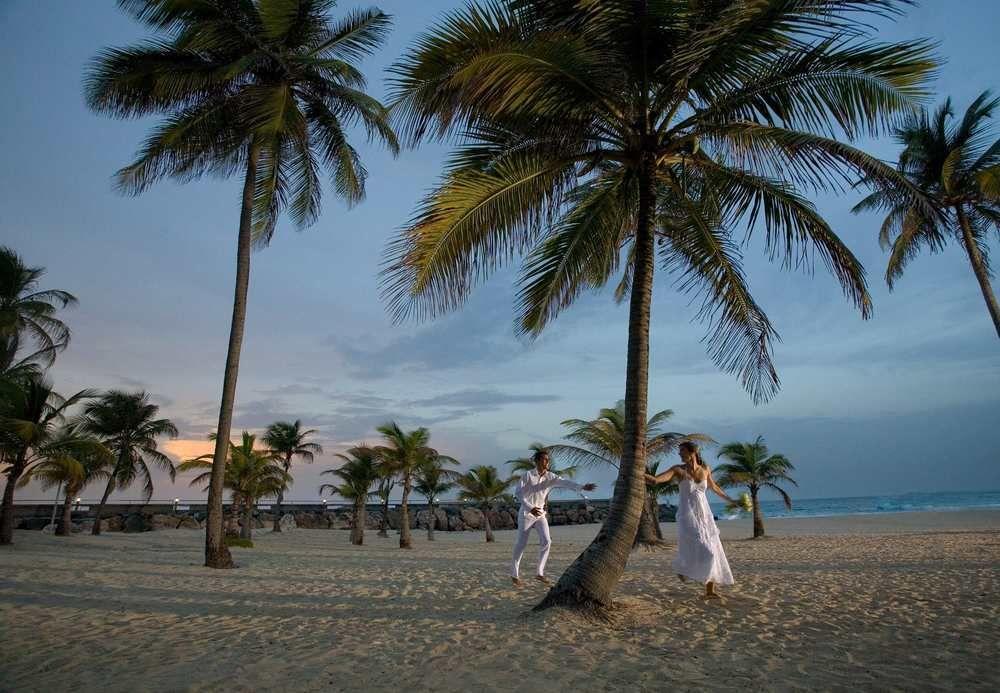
[688,446]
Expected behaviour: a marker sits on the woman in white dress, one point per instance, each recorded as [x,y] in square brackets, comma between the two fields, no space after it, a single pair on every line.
[699,551]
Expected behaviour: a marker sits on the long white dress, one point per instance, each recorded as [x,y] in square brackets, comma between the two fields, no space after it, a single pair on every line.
[699,550]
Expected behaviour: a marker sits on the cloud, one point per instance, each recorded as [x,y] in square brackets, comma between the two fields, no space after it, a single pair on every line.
[481,399]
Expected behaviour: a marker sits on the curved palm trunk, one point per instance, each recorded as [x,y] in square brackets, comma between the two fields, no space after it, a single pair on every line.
[7,513]
[216,552]
[431,521]
[758,516]
[63,528]
[979,268]
[358,526]
[281,497]
[405,542]
[486,523]
[649,534]
[384,525]
[593,575]
[96,530]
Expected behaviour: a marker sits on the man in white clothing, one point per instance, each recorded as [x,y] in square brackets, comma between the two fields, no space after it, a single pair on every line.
[532,490]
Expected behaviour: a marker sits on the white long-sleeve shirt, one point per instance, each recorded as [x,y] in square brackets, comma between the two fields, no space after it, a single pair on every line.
[533,488]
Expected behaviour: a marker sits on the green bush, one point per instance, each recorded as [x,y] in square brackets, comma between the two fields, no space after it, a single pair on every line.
[237,541]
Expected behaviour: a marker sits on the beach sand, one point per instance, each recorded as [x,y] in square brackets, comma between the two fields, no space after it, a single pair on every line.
[884,602]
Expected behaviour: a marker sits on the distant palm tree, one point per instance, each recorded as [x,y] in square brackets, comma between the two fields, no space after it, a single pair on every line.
[357,475]
[601,442]
[28,314]
[127,423]
[288,440]
[433,481]
[483,486]
[600,139]
[251,474]
[386,482]
[957,168]
[269,88]
[750,465]
[70,462]
[402,455]
[31,419]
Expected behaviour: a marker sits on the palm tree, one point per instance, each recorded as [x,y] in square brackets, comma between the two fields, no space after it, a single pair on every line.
[288,440]
[386,482]
[31,417]
[601,138]
[432,481]
[483,486]
[127,424]
[28,314]
[357,475]
[957,168]
[601,442]
[750,465]
[402,456]
[71,462]
[268,88]
[251,474]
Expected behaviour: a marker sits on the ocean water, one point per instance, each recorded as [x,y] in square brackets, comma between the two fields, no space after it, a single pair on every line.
[868,505]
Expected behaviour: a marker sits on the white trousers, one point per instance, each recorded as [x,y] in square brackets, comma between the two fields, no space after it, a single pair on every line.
[525,522]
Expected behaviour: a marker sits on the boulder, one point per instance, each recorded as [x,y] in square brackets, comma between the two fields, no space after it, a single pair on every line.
[287,522]
[34,523]
[188,522]
[455,523]
[307,520]
[507,520]
[115,523]
[164,522]
[472,518]
[136,522]
[49,528]
[342,521]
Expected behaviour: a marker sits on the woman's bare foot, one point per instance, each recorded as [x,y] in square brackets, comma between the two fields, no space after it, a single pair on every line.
[712,595]
[710,592]
[681,578]
[542,579]
[517,582]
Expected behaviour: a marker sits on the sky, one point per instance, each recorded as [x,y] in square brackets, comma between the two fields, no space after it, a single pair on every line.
[907,401]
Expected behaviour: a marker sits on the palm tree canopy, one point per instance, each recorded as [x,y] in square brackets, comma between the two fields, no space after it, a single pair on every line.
[31,420]
[71,460]
[752,466]
[404,453]
[729,109]
[483,485]
[663,488]
[288,439]
[278,76]
[251,473]
[952,163]
[127,423]
[601,441]
[357,475]
[28,314]
[433,479]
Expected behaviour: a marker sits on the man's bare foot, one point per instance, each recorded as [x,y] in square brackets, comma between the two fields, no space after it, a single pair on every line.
[712,595]
[517,582]
[542,579]
[681,578]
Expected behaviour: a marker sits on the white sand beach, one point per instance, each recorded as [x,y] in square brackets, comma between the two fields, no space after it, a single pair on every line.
[887,602]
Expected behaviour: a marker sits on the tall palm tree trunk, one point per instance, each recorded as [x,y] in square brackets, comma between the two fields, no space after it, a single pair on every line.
[486,523]
[405,542]
[594,574]
[246,532]
[63,528]
[758,516]
[384,525]
[281,497]
[7,512]
[358,525]
[979,267]
[216,552]
[431,521]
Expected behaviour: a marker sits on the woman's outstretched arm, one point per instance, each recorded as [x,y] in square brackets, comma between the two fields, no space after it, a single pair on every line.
[718,489]
[663,477]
